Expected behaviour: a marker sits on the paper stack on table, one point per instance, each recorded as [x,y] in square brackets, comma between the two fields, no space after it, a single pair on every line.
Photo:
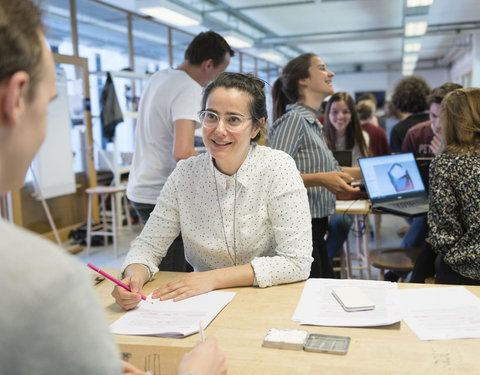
[172,319]
[441,313]
[318,306]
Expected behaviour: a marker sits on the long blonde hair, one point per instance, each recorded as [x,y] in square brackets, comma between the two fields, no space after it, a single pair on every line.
[461,121]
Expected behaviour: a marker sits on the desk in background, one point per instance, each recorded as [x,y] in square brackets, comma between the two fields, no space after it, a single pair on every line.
[242,325]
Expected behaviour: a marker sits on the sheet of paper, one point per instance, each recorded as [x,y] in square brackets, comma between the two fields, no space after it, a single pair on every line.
[172,319]
[441,313]
[318,306]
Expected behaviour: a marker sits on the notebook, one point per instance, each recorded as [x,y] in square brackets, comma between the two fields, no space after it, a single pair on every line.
[394,184]
[423,165]
[344,157]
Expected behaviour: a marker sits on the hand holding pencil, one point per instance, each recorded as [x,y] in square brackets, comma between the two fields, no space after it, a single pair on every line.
[127,292]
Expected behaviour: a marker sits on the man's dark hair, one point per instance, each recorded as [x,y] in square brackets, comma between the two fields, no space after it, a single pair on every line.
[20,41]
[208,45]
[438,93]
[410,95]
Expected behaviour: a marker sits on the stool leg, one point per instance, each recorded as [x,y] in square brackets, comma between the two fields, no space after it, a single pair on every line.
[114,224]
[104,218]
[127,213]
[360,257]
[89,223]
[377,221]
[349,258]
[366,248]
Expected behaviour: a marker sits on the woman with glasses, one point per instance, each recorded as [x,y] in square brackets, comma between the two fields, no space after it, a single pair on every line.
[297,97]
[242,208]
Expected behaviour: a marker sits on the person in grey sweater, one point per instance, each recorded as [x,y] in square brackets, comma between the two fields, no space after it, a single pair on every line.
[51,321]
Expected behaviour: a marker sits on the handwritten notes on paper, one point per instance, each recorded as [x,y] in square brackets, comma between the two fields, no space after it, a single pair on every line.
[441,313]
[172,319]
[318,306]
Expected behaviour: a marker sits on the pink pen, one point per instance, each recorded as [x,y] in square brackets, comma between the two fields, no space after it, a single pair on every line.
[118,282]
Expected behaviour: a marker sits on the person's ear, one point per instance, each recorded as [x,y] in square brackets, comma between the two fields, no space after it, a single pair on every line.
[257,129]
[302,82]
[13,92]
[207,65]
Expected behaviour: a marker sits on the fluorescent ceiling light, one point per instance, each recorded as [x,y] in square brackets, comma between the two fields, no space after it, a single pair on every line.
[410,59]
[237,40]
[169,12]
[408,66]
[415,28]
[412,47]
[270,56]
[419,3]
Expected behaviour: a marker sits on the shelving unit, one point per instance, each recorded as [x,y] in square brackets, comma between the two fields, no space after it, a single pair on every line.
[119,169]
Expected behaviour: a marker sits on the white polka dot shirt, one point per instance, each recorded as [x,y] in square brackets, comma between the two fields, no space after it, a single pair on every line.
[272,218]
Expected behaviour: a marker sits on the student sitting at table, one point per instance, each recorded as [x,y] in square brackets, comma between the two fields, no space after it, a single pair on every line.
[454,191]
[242,208]
[51,321]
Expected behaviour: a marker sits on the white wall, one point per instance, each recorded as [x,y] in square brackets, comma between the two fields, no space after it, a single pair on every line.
[461,67]
[384,81]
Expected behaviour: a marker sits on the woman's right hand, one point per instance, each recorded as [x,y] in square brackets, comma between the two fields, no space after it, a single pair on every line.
[338,182]
[128,300]
[135,278]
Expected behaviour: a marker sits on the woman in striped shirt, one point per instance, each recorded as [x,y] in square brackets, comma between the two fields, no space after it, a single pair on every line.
[297,96]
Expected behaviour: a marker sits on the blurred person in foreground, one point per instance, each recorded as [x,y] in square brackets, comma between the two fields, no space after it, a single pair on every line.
[51,320]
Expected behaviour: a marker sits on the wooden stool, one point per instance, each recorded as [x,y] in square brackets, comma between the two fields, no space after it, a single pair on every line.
[107,230]
[400,259]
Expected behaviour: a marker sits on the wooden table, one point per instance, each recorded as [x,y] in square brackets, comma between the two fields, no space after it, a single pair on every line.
[242,325]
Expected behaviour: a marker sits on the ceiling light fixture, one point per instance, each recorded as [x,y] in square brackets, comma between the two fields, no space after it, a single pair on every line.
[270,56]
[415,28]
[237,40]
[409,47]
[419,3]
[410,59]
[169,12]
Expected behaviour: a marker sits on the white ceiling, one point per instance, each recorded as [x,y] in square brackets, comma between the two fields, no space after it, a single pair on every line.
[353,35]
[350,35]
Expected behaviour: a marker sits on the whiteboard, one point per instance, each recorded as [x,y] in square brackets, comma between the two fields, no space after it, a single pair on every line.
[53,165]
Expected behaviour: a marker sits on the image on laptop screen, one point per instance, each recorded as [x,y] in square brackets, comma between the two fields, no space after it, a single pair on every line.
[391,175]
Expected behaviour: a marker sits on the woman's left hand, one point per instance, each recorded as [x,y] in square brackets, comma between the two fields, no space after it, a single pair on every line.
[192,284]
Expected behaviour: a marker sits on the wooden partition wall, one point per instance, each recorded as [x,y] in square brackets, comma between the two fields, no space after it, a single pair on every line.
[68,211]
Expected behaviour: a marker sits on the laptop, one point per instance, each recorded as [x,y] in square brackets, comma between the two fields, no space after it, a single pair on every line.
[394,184]
[344,157]
[423,165]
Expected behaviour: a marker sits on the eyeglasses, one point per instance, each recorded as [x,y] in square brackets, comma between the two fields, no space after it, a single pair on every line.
[233,123]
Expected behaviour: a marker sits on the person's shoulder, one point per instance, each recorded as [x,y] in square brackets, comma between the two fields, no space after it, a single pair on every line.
[443,160]
[421,127]
[273,158]
[290,117]
[373,129]
[193,163]
[23,251]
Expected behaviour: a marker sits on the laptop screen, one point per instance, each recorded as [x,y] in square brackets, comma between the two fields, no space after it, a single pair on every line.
[391,175]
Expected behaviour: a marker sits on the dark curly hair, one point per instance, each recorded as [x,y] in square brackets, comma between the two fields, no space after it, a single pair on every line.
[410,95]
